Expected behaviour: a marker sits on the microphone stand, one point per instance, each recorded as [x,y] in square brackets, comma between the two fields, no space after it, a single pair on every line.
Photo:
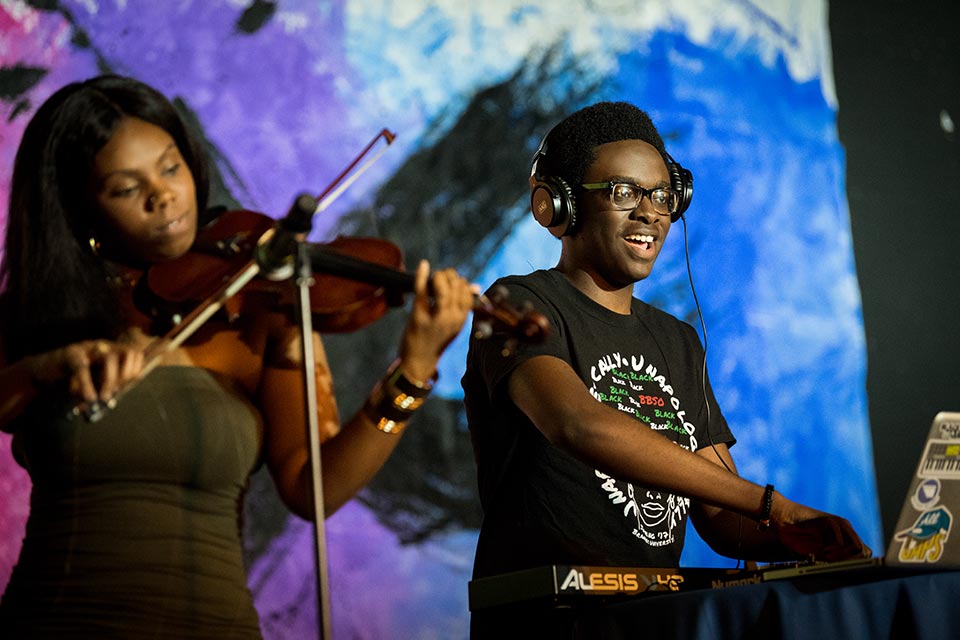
[285,254]
[300,221]
[303,279]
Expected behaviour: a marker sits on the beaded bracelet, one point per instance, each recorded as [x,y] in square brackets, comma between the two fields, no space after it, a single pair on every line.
[766,506]
[395,398]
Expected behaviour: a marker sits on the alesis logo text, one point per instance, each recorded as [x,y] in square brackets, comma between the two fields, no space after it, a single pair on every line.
[606,582]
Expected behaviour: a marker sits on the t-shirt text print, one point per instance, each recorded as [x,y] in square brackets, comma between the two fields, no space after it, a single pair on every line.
[634,386]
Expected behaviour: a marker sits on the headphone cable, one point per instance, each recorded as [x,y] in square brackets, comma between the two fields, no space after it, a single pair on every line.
[703,378]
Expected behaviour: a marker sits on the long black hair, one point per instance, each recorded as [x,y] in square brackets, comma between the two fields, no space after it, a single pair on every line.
[55,287]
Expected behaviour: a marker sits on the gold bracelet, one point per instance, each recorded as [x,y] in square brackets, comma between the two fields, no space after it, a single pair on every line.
[395,398]
[392,427]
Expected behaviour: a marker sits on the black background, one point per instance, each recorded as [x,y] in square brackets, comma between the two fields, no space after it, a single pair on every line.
[897,67]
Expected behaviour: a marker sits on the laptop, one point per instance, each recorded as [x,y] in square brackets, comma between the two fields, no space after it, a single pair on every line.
[922,537]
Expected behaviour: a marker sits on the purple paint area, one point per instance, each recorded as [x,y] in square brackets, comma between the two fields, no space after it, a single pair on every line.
[41,40]
[275,103]
[14,498]
[378,587]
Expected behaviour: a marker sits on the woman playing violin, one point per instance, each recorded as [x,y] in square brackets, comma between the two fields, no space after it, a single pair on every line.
[133,527]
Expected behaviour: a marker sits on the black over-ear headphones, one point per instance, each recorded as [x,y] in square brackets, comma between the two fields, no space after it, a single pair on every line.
[682,182]
[553,204]
[551,199]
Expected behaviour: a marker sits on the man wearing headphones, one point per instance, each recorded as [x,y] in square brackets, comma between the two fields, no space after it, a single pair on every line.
[594,446]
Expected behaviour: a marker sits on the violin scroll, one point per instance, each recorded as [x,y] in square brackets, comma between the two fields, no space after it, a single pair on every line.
[493,314]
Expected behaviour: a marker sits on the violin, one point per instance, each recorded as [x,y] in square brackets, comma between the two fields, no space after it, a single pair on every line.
[356,280]
[227,245]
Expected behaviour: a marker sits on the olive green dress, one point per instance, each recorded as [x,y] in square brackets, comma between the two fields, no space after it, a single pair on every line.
[134,519]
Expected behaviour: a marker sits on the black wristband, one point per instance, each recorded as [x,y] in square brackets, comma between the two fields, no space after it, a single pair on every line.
[766,506]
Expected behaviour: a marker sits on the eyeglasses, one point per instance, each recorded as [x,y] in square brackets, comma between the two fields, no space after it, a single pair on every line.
[627,197]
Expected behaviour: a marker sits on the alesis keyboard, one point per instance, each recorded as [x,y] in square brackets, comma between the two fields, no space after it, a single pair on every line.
[558,585]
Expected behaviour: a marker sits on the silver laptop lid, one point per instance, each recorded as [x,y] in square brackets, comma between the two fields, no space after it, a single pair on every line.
[924,534]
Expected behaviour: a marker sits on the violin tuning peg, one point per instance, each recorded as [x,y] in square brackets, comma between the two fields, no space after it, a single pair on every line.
[482,330]
[498,293]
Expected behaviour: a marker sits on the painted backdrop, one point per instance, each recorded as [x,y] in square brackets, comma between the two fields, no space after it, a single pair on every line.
[285,93]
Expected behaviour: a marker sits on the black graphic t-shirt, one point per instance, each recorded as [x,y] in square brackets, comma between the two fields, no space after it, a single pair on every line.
[541,505]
